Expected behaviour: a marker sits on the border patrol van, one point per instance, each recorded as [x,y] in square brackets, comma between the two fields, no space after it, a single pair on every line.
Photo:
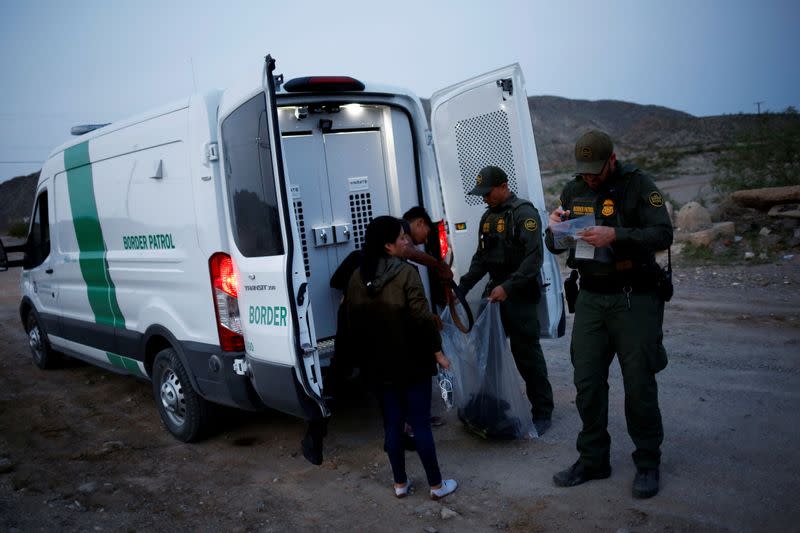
[192,246]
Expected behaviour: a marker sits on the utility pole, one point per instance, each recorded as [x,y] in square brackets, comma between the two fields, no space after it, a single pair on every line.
[758,105]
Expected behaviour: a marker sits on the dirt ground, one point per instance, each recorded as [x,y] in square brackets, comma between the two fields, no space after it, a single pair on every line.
[82,449]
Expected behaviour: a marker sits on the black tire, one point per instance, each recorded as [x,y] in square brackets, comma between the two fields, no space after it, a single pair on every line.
[43,355]
[184,412]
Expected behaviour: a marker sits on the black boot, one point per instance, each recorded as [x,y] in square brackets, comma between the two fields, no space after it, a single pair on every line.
[542,425]
[645,483]
[312,442]
[578,473]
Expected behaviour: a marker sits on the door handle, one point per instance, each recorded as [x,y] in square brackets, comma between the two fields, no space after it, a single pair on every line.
[49,271]
[301,294]
[341,232]
[323,236]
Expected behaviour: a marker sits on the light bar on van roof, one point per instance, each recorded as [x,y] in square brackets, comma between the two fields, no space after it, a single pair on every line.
[86,128]
[323,84]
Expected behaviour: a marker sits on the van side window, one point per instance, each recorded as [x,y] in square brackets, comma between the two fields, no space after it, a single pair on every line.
[38,246]
[246,141]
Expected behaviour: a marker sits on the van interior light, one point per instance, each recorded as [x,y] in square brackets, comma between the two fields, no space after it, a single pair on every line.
[300,112]
[353,109]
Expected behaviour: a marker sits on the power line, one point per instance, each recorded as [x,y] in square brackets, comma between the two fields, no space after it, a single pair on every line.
[20,162]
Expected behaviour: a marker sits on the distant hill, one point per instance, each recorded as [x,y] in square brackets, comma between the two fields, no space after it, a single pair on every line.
[16,199]
[663,141]
[648,133]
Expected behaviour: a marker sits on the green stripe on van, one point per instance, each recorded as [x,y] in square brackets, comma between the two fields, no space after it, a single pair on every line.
[131,365]
[91,246]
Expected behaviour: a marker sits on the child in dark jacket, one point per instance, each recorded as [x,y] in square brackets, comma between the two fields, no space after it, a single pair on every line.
[392,329]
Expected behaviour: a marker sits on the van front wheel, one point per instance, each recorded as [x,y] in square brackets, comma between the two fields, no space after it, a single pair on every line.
[184,412]
[43,355]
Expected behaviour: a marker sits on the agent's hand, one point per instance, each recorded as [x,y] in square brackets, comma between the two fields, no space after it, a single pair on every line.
[558,215]
[599,236]
[498,294]
[442,360]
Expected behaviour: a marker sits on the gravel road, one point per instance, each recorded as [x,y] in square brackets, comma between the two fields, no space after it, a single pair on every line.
[82,449]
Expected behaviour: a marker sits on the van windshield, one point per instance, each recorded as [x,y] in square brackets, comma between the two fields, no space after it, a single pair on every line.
[251,181]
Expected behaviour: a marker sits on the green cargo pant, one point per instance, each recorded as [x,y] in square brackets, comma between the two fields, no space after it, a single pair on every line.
[521,323]
[605,325]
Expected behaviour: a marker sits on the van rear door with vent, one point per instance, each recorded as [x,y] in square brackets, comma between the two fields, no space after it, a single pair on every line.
[486,121]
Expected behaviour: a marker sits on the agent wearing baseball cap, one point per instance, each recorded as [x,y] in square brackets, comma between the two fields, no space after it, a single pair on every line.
[619,308]
[510,251]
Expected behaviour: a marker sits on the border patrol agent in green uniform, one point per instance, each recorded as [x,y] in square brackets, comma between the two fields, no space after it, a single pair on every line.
[510,251]
[618,308]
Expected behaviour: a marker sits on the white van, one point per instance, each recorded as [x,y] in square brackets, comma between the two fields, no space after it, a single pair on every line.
[193,245]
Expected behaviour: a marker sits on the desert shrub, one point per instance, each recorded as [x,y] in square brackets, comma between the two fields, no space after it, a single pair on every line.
[766,154]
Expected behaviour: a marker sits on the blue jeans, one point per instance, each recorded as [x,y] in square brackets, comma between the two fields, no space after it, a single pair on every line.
[412,404]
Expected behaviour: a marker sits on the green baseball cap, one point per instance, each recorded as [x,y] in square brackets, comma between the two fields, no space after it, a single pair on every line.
[592,151]
[488,177]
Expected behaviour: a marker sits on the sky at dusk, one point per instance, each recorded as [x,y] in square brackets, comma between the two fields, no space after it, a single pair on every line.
[86,61]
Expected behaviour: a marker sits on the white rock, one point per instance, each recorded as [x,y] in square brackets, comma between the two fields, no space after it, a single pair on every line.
[785,211]
[749,255]
[446,513]
[693,217]
[706,237]
[88,487]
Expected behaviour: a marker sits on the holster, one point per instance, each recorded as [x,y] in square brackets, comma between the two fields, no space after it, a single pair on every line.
[571,290]
[664,287]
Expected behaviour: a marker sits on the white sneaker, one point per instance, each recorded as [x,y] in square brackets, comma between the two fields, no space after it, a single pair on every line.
[402,492]
[449,486]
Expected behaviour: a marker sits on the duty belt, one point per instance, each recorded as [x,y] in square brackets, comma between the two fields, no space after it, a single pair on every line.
[616,284]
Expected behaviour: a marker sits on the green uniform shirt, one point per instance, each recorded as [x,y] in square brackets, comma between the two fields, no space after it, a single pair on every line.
[630,202]
[509,249]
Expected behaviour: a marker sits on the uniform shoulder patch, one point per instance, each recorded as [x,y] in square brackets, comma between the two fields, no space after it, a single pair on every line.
[530,224]
[656,200]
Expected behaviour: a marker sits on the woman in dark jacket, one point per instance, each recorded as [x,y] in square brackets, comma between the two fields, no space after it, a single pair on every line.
[394,333]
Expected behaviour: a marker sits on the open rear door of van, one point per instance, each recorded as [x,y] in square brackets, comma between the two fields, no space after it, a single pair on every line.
[273,304]
[486,121]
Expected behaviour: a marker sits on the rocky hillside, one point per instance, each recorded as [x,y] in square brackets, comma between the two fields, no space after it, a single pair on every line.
[665,142]
[658,138]
[557,122]
[16,200]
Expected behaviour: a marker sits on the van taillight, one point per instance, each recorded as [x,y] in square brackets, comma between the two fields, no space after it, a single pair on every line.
[442,226]
[225,289]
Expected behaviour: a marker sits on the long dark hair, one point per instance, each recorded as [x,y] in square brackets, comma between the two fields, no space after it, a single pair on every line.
[380,232]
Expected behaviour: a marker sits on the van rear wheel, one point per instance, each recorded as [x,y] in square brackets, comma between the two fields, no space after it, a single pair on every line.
[43,355]
[184,412]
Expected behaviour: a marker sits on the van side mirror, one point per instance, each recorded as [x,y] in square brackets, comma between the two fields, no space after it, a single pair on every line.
[5,263]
